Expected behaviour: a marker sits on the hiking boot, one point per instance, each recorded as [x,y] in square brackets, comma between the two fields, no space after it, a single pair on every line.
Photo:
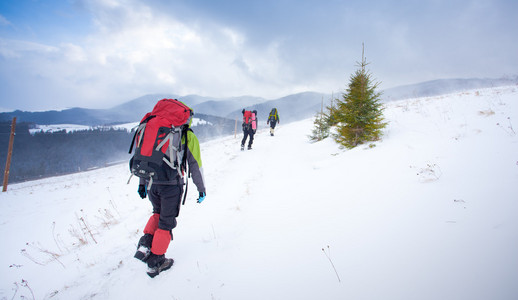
[242,147]
[157,264]
[144,247]
[142,253]
[249,147]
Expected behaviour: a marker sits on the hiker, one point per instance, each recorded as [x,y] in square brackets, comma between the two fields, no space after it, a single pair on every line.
[249,127]
[166,185]
[273,119]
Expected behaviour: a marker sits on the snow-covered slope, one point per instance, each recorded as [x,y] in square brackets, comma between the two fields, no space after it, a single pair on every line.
[74,127]
[429,212]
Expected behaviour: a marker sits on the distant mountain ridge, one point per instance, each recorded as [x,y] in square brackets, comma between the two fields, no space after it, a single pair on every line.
[444,86]
[291,108]
[225,110]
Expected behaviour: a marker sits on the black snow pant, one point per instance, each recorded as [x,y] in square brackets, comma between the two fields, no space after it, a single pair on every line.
[272,124]
[166,201]
[247,132]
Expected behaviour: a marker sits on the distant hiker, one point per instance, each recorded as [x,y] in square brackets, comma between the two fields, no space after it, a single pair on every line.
[249,127]
[165,147]
[273,119]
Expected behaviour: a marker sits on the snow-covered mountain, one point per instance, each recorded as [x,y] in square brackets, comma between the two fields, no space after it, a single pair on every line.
[134,109]
[445,86]
[429,212]
[291,108]
[73,127]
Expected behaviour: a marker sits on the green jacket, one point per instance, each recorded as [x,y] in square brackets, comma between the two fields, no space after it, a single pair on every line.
[194,161]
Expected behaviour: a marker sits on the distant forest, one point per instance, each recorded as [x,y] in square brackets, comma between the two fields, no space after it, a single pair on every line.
[48,154]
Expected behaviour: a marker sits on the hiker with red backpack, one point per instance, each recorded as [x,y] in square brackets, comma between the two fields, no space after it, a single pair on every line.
[249,127]
[166,151]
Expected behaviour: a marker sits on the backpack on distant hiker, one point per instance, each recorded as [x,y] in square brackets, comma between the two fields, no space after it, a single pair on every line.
[158,141]
[249,119]
[273,117]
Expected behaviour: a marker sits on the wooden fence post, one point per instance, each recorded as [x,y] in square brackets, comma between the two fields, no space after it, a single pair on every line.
[9,154]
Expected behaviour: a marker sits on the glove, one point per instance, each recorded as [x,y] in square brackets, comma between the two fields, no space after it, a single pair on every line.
[142,191]
[201,198]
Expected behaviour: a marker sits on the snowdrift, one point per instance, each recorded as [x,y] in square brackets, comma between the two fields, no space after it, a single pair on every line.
[429,212]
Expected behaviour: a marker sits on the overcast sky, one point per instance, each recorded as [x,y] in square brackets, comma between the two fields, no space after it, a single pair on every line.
[101,53]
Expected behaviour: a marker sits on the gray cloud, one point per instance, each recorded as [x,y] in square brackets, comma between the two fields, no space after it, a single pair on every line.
[232,48]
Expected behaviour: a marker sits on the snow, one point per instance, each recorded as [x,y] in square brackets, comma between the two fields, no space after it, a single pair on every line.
[429,212]
[59,127]
[126,126]
[198,121]
[74,127]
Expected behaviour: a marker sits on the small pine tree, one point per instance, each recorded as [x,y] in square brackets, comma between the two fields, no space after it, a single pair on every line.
[331,113]
[359,114]
[321,128]
[322,123]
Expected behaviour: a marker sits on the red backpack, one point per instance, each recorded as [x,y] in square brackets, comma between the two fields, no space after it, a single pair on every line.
[249,118]
[158,140]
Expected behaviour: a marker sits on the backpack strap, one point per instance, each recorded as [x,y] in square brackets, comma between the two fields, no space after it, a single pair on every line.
[172,148]
[133,141]
[183,165]
[168,139]
[150,183]
[186,189]
[140,131]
